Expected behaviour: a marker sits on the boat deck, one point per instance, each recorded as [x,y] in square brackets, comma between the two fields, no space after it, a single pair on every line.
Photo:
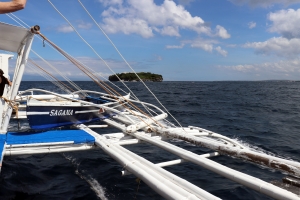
[53,141]
[75,136]
[2,147]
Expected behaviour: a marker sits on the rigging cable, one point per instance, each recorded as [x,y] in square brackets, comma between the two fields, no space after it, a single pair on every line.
[66,87]
[90,47]
[96,53]
[67,79]
[79,65]
[63,76]
[128,64]
[76,63]
[45,75]
[93,77]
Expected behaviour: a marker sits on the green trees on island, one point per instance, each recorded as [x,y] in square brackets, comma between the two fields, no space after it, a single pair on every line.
[145,76]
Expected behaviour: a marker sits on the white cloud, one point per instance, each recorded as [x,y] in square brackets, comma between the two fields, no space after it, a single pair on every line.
[264,3]
[286,23]
[175,46]
[158,58]
[84,25]
[64,29]
[166,18]
[171,31]
[221,51]
[185,2]
[67,28]
[128,26]
[251,25]
[231,45]
[281,68]
[111,2]
[206,46]
[222,32]
[200,43]
[278,45]
[240,68]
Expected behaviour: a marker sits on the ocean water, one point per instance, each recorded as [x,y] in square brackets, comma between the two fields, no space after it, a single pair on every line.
[264,115]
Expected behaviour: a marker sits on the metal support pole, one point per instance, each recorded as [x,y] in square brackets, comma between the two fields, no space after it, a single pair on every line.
[244,179]
[17,79]
[163,182]
[2,105]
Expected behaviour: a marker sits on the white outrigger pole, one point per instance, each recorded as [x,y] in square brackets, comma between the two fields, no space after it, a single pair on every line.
[135,127]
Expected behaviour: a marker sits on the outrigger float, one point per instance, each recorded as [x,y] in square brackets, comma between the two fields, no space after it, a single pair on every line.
[49,110]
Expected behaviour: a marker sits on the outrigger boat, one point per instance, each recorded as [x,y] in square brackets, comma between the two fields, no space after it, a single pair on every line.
[137,121]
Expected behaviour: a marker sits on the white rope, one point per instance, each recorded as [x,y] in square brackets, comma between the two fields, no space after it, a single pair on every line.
[95,73]
[117,51]
[47,77]
[67,79]
[80,36]
[43,74]
[65,52]
[95,52]
[128,63]
[57,71]
[86,42]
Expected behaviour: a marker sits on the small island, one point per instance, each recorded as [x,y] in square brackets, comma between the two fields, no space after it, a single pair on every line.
[145,76]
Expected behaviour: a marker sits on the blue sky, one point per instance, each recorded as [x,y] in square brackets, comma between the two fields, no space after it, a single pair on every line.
[184,40]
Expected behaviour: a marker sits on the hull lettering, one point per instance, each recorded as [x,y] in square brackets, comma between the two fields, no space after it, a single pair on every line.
[61,112]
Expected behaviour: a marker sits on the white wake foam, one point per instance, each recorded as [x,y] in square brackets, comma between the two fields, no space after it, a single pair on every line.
[94,184]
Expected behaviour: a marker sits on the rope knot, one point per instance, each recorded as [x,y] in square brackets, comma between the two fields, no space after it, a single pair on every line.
[12,104]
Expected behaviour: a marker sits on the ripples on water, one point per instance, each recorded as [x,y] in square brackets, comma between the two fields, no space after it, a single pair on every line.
[264,115]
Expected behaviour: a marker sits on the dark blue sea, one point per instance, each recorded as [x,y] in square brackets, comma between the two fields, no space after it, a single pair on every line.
[262,114]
